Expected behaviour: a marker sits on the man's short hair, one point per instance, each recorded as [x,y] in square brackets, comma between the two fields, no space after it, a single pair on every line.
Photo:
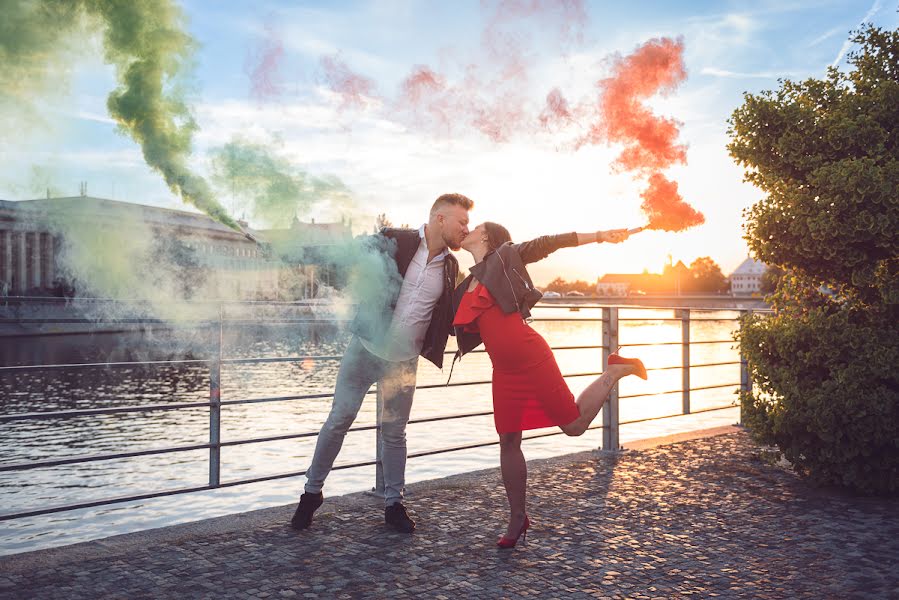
[452,199]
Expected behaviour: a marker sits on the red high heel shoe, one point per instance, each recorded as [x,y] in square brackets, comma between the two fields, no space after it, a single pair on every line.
[614,359]
[505,542]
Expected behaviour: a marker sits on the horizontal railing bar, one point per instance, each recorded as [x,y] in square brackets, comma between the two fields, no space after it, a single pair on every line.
[451,352]
[721,364]
[42,464]
[98,411]
[104,364]
[678,391]
[692,412]
[692,319]
[692,343]
[283,398]
[237,361]
[559,320]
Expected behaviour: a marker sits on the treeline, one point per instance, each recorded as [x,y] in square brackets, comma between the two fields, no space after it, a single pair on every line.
[702,276]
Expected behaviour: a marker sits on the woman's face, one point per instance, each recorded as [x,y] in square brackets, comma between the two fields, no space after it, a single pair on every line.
[475,238]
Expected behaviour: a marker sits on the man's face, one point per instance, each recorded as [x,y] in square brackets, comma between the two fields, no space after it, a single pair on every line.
[453,221]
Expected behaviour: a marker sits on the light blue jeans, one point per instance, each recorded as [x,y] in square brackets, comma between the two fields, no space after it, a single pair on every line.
[359,369]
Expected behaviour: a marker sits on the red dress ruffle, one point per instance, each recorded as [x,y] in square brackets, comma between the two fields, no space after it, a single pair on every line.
[529,391]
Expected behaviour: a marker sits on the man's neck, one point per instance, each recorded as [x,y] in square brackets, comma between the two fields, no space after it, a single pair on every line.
[435,244]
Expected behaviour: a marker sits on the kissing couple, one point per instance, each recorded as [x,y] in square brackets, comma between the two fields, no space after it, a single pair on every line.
[490,306]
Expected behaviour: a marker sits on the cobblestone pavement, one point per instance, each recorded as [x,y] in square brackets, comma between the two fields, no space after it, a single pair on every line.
[703,518]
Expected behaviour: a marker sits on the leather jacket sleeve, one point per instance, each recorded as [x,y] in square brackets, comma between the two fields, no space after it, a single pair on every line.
[541,247]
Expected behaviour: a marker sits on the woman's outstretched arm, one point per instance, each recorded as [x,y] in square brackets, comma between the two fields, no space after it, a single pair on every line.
[541,247]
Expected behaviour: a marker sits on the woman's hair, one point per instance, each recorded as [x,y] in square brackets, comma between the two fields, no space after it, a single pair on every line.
[497,235]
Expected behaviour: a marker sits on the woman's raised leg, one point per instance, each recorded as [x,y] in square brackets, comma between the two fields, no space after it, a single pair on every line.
[515,479]
[594,396]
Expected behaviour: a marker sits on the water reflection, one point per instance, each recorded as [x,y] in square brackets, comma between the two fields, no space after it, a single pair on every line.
[110,386]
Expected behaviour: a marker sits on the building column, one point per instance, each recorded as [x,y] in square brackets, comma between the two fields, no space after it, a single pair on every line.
[36,259]
[21,265]
[48,262]
[6,266]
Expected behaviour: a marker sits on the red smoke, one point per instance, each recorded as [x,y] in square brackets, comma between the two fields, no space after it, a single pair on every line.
[650,141]
[557,111]
[352,87]
[263,64]
[666,208]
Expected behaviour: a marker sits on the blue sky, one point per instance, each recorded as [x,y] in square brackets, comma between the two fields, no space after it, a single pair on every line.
[527,182]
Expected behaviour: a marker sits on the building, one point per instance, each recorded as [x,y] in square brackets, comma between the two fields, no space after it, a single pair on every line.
[34,236]
[746,280]
[612,288]
[304,251]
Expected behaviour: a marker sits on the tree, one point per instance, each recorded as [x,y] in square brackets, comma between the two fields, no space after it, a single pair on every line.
[826,154]
[706,276]
[562,286]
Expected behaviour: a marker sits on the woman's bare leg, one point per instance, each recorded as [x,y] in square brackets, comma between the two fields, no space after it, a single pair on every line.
[515,478]
[591,399]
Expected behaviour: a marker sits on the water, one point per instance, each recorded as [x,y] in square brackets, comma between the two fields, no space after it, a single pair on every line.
[66,389]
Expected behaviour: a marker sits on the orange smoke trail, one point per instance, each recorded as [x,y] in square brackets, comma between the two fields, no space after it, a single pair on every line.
[650,142]
[666,208]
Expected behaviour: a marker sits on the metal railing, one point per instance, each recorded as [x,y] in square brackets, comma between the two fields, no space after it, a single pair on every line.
[610,424]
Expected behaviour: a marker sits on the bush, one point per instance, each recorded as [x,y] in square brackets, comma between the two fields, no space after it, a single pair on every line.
[825,365]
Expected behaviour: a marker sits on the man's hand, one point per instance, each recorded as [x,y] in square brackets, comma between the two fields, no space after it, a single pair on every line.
[613,236]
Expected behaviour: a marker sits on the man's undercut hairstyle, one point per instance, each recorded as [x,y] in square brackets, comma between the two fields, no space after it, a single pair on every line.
[451,199]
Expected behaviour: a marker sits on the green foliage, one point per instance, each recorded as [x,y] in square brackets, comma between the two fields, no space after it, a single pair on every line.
[706,276]
[826,153]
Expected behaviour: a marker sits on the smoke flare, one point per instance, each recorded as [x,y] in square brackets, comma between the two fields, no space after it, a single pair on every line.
[650,142]
[146,42]
[666,208]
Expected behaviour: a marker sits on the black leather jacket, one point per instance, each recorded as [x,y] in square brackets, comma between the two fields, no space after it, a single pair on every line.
[374,314]
[503,274]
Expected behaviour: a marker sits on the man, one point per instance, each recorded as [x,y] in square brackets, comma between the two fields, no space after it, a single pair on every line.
[415,320]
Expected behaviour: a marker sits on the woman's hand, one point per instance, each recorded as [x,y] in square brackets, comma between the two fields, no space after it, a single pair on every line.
[613,236]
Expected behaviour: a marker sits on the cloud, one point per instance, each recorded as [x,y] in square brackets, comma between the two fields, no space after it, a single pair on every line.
[875,8]
[715,72]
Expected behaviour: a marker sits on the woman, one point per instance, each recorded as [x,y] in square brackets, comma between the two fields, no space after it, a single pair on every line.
[491,305]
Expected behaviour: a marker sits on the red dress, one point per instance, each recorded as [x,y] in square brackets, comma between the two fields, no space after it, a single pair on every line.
[528,389]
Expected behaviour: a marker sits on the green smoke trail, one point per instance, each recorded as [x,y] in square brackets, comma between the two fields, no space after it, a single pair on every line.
[274,190]
[146,42]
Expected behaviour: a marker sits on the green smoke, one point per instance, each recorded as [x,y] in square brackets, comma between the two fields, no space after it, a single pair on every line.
[146,42]
[269,186]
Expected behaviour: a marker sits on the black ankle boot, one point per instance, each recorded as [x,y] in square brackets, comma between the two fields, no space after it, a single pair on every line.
[395,516]
[309,503]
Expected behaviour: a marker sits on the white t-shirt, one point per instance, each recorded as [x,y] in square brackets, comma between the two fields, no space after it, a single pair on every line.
[421,289]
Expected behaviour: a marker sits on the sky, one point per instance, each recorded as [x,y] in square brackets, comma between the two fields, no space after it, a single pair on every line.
[320,85]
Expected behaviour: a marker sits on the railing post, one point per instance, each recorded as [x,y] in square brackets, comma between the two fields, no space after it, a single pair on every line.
[379,463]
[745,386]
[684,315]
[610,409]
[215,409]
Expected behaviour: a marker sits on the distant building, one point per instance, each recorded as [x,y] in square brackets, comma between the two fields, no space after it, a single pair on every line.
[746,280]
[34,233]
[670,281]
[303,250]
[612,288]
